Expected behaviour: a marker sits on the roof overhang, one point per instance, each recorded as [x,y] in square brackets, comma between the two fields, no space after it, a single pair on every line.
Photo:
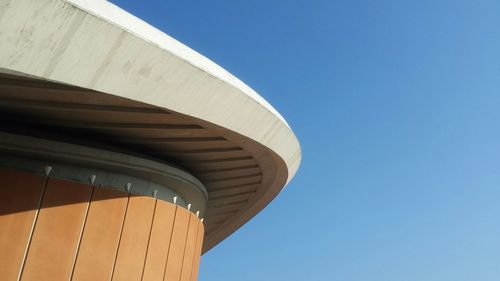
[88,71]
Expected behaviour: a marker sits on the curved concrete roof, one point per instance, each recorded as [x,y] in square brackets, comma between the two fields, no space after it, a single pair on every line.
[82,55]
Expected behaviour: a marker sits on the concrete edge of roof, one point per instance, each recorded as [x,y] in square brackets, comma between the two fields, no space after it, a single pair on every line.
[74,42]
[112,13]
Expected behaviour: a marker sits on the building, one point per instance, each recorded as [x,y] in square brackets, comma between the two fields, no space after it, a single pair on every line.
[125,155]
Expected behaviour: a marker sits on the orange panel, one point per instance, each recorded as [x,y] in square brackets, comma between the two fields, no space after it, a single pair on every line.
[101,235]
[197,251]
[134,240]
[159,242]
[57,231]
[176,252]
[20,195]
[187,262]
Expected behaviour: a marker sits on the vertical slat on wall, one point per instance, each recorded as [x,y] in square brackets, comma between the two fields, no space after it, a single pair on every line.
[57,231]
[20,195]
[159,242]
[167,249]
[134,239]
[178,242]
[187,262]
[197,251]
[100,238]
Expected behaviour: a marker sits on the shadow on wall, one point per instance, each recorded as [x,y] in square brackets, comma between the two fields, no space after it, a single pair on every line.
[22,192]
[52,229]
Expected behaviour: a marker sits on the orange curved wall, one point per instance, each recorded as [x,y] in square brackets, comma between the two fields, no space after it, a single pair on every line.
[52,229]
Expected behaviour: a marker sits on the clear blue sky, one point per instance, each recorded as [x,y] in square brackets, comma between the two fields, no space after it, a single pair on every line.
[397,107]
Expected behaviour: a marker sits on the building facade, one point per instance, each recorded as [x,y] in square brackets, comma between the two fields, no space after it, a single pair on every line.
[124,154]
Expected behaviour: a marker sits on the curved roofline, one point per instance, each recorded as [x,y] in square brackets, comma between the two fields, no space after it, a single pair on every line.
[112,13]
